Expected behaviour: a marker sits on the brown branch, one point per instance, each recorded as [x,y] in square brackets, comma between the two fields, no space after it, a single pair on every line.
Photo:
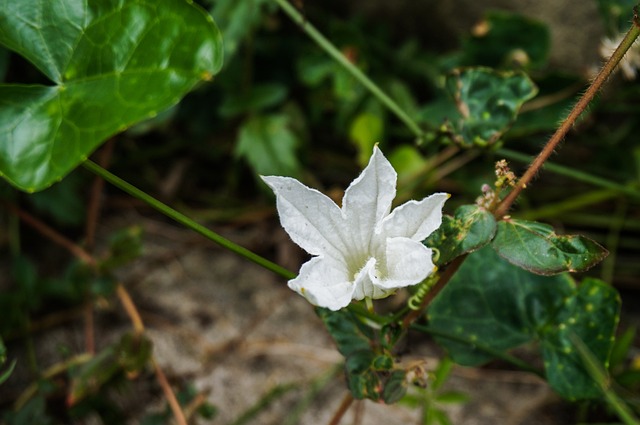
[342,409]
[570,120]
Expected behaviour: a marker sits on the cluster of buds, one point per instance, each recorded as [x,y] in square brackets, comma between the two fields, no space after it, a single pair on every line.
[490,197]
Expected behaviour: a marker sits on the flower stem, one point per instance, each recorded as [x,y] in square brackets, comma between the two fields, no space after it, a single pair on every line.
[330,49]
[570,120]
[186,221]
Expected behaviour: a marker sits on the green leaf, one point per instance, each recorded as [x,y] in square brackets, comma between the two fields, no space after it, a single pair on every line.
[129,355]
[3,358]
[591,315]
[492,306]
[535,247]
[237,19]
[488,102]
[616,14]
[469,229]
[257,99]
[342,326]
[508,40]
[366,130]
[112,63]
[269,145]
[370,374]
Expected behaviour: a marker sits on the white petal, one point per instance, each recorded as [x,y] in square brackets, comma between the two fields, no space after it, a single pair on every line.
[324,283]
[368,199]
[311,219]
[415,220]
[366,283]
[408,263]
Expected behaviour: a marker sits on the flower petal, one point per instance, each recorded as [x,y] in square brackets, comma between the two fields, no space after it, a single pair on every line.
[415,220]
[408,263]
[324,283]
[364,282]
[311,219]
[368,199]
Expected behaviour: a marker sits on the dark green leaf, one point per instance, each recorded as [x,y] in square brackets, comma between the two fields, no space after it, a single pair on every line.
[469,229]
[345,332]
[621,348]
[269,145]
[111,64]
[535,247]
[237,19]
[488,102]
[125,245]
[508,40]
[591,315]
[617,14]
[491,306]
[129,355]
[33,412]
[3,357]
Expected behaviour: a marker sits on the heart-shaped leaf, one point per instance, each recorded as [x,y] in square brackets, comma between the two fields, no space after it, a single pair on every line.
[112,63]
[488,102]
[535,247]
[492,306]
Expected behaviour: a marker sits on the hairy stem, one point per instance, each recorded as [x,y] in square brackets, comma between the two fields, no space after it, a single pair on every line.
[330,49]
[569,121]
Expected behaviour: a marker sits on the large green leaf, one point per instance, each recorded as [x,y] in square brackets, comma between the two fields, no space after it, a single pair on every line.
[492,306]
[112,63]
[488,102]
[535,247]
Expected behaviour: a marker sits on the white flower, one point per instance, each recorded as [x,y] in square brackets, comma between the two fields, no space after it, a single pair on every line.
[630,62]
[361,250]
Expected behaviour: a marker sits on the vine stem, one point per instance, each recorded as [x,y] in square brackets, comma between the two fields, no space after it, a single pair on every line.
[336,54]
[570,120]
[186,221]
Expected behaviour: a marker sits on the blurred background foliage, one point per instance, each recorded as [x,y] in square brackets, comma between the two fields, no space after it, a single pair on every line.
[281,106]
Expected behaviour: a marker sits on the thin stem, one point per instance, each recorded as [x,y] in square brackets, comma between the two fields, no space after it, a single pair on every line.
[186,221]
[130,308]
[568,122]
[330,49]
[342,409]
[54,236]
[178,414]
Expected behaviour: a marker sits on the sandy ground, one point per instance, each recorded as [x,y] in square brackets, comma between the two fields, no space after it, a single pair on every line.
[239,335]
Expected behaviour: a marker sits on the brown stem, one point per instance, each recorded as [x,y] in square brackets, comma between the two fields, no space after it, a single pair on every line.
[342,409]
[570,120]
[122,293]
[433,292]
[53,235]
[130,308]
[178,414]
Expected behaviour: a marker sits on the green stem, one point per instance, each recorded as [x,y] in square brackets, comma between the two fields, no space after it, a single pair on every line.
[186,221]
[330,49]
[569,204]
